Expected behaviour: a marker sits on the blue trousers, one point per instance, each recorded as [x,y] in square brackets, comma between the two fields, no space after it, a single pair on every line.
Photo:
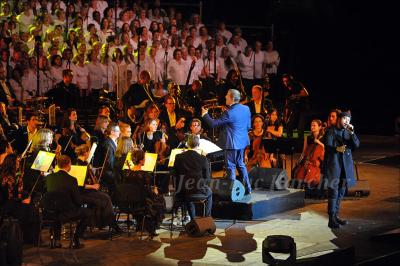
[235,159]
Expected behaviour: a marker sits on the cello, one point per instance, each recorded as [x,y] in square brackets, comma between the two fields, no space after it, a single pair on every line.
[308,169]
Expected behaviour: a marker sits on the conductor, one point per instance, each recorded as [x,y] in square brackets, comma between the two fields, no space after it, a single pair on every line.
[233,138]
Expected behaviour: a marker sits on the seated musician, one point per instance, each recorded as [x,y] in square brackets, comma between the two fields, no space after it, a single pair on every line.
[194,96]
[192,173]
[65,94]
[41,141]
[155,203]
[25,133]
[174,119]
[105,156]
[257,104]
[67,185]
[308,169]
[7,94]
[153,140]
[15,202]
[274,131]
[71,133]
[124,146]
[99,132]
[255,154]
[196,129]
[7,122]
[98,201]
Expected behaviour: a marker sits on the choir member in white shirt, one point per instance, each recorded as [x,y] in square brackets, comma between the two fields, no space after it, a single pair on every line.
[196,22]
[177,69]
[107,70]
[120,73]
[81,75]
[222,31]
[56,69]
[211,68]
[21,92]
[259,60]
[144,21]
[245,62]
[234,46]
[130,63]
[226,62]
[219,45]
[194,35]
[26,18]
[272,59]
[242,42]
[95,70]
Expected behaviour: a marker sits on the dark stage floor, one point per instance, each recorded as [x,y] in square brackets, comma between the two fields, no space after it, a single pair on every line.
[241,243]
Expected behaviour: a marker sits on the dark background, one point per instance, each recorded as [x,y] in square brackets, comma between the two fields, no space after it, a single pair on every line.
[341,50]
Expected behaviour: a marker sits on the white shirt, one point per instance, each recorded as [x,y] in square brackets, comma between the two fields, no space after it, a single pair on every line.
[177,72]
[234,49]
[81,76]
[259,61]
[274,59]
[96,75]
[25,21]
[226,34]
[21,94]
[56,73]
[245,65]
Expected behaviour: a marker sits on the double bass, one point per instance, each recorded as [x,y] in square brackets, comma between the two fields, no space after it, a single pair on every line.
[308,169]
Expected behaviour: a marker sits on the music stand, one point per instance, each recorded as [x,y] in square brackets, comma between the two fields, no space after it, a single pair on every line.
[281,145]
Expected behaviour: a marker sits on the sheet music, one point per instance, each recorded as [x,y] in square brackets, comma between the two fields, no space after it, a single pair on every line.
[174,152]
[208,147]
[77,171]
[91,152]
[150,161]
[43,161]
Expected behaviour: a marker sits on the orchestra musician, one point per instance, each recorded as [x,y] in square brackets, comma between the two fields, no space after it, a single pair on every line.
[155,202]
[339,141]
[65,94]
[7,94]
[296,104]
[233,138]
[255,154]
[15,202]
[99,136]
[308,169]
[175,120]
[106,155]
[25,133]
[124,146]
[257,104]
[67,186]
[192,173]
[98,201]
[274,130]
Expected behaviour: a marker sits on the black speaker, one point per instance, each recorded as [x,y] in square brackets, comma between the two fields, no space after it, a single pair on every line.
[227,190]
[200,226]
[269,178]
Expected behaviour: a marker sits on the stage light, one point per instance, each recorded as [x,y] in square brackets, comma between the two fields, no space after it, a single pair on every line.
[279,244]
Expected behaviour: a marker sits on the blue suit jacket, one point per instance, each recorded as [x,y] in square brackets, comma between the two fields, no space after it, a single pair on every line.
[235,124]
[333,160]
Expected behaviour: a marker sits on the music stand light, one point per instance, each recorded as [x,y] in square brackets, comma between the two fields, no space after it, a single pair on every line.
[279,244]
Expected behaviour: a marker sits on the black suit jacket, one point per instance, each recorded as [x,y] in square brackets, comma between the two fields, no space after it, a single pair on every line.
[64,183]
[192,172]
[252,108]
[21,139]
[110,146]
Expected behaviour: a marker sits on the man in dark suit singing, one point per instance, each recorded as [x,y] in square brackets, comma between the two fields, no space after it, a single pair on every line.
[69,201]
[339,141]
[235,124]
[192,173]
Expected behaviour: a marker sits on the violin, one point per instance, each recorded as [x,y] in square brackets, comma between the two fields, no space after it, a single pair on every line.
[259,156]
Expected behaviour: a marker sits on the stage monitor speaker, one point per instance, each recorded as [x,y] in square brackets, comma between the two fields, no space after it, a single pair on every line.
[227,190]
[269,178]
[201,226]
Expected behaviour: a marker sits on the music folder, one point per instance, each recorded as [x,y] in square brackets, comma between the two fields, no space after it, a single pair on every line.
[43,161]
[207,147]
[77,171]
[150,161]
[175,152]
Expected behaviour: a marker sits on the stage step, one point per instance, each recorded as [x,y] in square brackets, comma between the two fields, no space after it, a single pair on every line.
[260,204]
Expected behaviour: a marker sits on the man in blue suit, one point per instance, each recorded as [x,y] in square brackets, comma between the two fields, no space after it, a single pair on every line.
[339,141]
[235,124]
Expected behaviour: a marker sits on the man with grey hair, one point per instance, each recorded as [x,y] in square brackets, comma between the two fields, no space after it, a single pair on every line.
[192,173]
[233,138]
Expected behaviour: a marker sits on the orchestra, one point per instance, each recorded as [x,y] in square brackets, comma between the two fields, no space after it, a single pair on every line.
[139,113]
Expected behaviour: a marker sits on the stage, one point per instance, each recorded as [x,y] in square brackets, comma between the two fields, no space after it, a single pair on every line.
[239,242]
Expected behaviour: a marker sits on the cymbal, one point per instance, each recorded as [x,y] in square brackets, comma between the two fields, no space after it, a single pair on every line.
[210,101]
[36,99]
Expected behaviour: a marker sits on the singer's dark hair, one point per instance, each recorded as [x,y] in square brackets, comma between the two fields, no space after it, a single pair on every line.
[9,166]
